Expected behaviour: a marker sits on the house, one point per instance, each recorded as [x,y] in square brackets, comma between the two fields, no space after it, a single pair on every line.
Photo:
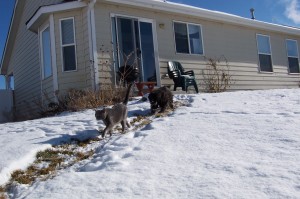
[55,45]
[6,105]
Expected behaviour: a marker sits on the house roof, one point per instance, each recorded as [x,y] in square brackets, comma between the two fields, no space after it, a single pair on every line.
[12,33]
[42,13]
[184,9]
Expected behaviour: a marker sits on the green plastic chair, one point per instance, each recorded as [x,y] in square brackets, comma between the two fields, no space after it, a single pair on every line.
[181,78]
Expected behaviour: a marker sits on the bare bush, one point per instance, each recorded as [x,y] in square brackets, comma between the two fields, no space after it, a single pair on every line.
[107,61]
[79,100]
[216,75]
[76,100]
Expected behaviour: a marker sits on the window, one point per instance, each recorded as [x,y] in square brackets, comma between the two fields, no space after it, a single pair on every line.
[68,44]
[264,53]
[188,38]
[46,53]
[293,56]
[11,82]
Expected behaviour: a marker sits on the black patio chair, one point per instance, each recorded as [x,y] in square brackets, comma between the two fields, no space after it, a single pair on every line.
[181,78]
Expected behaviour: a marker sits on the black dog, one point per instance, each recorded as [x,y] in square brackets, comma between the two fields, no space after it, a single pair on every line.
[162,98]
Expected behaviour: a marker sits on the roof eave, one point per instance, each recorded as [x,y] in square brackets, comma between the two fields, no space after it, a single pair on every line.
[9,39]
[43,13]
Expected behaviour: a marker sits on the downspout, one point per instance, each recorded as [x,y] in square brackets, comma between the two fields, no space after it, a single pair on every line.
[93,45]
[53,57]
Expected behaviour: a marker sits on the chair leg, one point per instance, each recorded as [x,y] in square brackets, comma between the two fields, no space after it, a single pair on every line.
[196,87]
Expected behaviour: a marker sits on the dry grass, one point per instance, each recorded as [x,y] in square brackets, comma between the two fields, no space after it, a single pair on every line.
[2,196]
[47,155]
[56,157]
[2,191]
[21,177]
[82,156]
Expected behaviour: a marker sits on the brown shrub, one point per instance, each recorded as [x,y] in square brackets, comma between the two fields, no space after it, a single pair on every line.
[76,100]
[216,76]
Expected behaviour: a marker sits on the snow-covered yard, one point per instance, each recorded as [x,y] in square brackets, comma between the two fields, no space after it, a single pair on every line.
[231,145]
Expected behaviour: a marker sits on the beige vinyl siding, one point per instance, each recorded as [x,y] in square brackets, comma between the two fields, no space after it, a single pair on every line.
[25,65]
[236,43]
[245,75]
[47,91]
[87,60]
[79,79]
[104,46]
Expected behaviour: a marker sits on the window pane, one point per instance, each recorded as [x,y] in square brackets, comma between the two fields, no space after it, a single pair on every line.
[195,39]
[292,50]
[265,63]
[293,65]
[126,40]
[263,44]
[69,58]
[149,70]
[11,82]
[67,31]
[46,53]
[181,38]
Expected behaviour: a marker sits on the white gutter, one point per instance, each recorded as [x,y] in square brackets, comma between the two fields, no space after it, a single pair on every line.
[207,14]
[93,45]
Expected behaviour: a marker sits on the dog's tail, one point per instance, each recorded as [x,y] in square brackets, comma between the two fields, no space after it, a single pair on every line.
[127,94]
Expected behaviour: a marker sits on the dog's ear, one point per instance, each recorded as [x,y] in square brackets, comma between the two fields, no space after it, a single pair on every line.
[104,110]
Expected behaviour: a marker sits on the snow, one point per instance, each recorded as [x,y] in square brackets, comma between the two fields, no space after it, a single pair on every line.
[242,144]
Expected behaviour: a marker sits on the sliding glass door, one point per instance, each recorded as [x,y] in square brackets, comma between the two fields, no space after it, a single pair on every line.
[134,45]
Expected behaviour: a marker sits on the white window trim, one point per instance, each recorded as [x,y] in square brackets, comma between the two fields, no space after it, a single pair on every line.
[188,23]
[65,45]
[41,51]
[287,54]
[258,53]
[8,81]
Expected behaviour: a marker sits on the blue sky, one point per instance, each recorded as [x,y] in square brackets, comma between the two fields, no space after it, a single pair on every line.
[285,12]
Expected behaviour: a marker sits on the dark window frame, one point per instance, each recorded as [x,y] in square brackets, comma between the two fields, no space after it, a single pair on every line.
[188,39]
[291,57]
[264,55]
[64,46]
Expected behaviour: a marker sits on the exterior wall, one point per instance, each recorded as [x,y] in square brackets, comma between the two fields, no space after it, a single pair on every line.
[47,90]
[89,68]
[236,43]
[24,62]
[103,38]
[81,78]
[6,106]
